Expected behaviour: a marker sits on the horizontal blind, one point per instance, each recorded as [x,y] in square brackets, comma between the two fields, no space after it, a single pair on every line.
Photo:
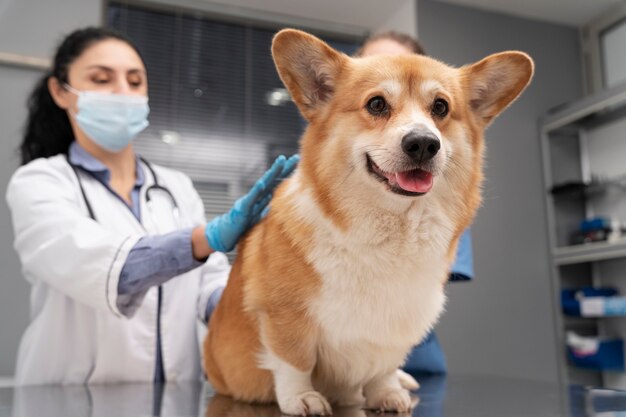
[219,112]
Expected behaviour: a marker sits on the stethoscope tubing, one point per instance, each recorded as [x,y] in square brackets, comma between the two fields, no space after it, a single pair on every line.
[154,187]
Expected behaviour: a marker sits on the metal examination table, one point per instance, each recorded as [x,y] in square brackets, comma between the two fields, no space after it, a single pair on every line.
[439,396]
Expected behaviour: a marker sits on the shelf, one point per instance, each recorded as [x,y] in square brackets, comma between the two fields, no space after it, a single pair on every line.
[588,179]
[588,321]
[587,190]
[589,252]
[573,321]
[586,107]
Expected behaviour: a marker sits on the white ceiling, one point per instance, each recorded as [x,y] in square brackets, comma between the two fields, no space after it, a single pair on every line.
[375,15]
[362,15]
[568,12]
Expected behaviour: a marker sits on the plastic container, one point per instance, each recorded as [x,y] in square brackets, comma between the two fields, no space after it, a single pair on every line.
[573,299]
[594,353]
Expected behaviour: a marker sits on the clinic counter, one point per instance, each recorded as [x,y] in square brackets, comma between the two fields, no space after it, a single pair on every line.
[439,396]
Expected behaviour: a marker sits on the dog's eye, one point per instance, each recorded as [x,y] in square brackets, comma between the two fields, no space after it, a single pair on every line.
[440,107]
[377,106]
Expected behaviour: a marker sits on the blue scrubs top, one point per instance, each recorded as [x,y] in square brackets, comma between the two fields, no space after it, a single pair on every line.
[428,356]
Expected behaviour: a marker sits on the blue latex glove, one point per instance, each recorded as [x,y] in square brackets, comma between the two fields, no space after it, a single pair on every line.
[224,231]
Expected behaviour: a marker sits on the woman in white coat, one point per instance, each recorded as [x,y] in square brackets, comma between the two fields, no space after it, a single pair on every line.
[117,250]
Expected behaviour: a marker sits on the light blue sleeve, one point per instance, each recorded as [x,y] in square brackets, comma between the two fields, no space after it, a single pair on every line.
[463,268]
[151,262]
[427,357]
[214,298]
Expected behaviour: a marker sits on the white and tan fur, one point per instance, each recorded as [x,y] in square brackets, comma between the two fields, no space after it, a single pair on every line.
[331,290]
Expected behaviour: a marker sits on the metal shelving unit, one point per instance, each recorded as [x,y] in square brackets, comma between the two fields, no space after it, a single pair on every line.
[589,252]
[567,141]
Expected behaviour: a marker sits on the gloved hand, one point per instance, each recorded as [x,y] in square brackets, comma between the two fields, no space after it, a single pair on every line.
[224,231]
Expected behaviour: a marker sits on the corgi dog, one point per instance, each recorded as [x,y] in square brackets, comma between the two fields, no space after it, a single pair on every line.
[346,273]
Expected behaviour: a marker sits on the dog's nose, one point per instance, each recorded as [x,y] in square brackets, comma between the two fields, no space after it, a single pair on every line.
[421,145]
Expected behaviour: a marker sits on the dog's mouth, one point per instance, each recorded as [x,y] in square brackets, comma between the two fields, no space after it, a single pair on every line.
[414,182]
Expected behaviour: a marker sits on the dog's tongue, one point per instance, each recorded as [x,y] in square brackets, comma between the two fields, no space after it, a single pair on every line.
[416,180]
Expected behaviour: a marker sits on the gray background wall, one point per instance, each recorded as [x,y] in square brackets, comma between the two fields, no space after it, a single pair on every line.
[45,23]
[502,323]
[14,83]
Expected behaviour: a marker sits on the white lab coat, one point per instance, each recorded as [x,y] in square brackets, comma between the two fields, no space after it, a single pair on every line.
[77,333]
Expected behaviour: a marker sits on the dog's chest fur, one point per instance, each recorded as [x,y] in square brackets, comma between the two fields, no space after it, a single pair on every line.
[381,287]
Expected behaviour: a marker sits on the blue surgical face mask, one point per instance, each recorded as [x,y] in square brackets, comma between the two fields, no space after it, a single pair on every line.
[111,120]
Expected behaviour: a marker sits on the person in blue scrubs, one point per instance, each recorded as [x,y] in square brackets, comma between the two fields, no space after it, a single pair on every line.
[427,357]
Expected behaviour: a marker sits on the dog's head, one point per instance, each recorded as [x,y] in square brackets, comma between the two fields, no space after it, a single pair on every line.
[406,126]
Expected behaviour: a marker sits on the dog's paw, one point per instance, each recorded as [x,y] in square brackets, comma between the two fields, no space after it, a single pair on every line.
[407,381]
[397,400]
[305,404]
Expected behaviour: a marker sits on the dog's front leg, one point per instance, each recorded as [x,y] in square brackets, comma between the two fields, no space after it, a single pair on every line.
[290,340]
[385,393]
[295,393]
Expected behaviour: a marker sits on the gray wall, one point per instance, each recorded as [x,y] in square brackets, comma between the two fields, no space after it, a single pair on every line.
[502,323]
[32,28]
[14,84]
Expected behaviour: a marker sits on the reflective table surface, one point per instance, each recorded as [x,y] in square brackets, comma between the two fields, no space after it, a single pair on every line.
[452,396]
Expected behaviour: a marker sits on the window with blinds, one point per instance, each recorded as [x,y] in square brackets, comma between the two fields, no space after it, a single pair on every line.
[219,111]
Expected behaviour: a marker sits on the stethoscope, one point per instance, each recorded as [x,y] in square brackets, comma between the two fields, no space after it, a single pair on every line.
[158,187]
[155,187]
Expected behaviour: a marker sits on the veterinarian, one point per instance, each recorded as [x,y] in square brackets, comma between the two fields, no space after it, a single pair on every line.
[428,356]
[116,249]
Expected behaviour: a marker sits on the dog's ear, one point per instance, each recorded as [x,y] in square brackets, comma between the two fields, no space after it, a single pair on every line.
[495,82]
[308,67]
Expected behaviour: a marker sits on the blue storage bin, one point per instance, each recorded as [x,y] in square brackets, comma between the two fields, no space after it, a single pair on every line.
[588,401]
[570,298]
[608,357]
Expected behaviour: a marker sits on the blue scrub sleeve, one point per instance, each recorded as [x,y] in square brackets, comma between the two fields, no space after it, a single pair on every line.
[427,357]
[463,268]
[214,298]
[151,262]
